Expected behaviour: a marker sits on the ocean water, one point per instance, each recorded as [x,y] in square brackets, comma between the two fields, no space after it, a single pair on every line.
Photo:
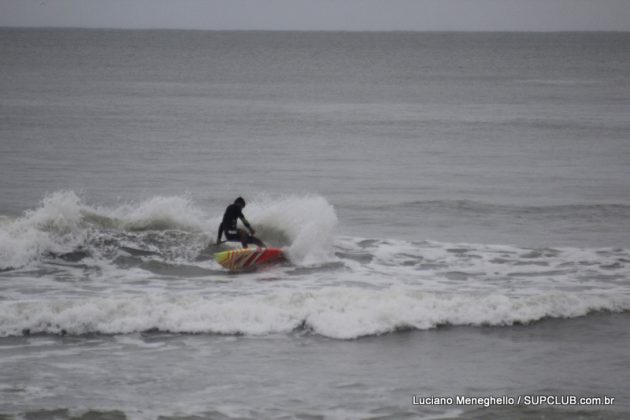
[455,208]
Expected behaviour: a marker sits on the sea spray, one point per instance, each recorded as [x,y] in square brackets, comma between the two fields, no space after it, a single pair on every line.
[63,222]
[161,213]
[54,226]
[307,222]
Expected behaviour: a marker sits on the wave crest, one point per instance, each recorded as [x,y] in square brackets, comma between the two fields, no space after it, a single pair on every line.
[63,223]
[335,312]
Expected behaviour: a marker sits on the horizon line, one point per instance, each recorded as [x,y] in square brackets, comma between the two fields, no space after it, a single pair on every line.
[113,28]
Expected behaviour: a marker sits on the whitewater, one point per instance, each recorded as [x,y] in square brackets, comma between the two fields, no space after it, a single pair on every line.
[73,268]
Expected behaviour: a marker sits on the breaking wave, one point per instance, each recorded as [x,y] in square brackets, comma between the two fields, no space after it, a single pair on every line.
[63,223]
[336,312]
[75,268]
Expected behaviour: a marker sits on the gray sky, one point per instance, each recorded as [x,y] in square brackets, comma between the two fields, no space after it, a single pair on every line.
[420,15]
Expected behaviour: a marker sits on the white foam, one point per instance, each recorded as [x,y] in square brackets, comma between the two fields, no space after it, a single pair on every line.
[336,312]
[53,226]
[307,221]
[63,221]
[159,213]
[374,287]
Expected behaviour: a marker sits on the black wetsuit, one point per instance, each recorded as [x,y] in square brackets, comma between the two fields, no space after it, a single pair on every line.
[228,225]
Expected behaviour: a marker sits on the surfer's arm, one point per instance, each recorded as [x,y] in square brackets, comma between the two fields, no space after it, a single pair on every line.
[247,225]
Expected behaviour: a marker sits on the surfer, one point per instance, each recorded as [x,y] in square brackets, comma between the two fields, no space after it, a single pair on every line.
[233,212]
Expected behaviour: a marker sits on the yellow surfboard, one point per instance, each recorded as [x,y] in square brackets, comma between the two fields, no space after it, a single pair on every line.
[248,258]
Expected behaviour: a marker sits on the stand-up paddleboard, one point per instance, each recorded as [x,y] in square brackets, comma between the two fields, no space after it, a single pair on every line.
[248,258]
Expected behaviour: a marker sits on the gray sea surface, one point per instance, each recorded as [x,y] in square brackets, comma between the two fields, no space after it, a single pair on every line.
[455,208]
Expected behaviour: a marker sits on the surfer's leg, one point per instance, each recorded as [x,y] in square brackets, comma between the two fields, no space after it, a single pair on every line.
[244,237]
[237,236]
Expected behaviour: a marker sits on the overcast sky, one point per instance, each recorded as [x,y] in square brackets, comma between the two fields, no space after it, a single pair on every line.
[416,15]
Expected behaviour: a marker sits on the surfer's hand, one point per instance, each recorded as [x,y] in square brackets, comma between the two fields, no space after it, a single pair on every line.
[252,231]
